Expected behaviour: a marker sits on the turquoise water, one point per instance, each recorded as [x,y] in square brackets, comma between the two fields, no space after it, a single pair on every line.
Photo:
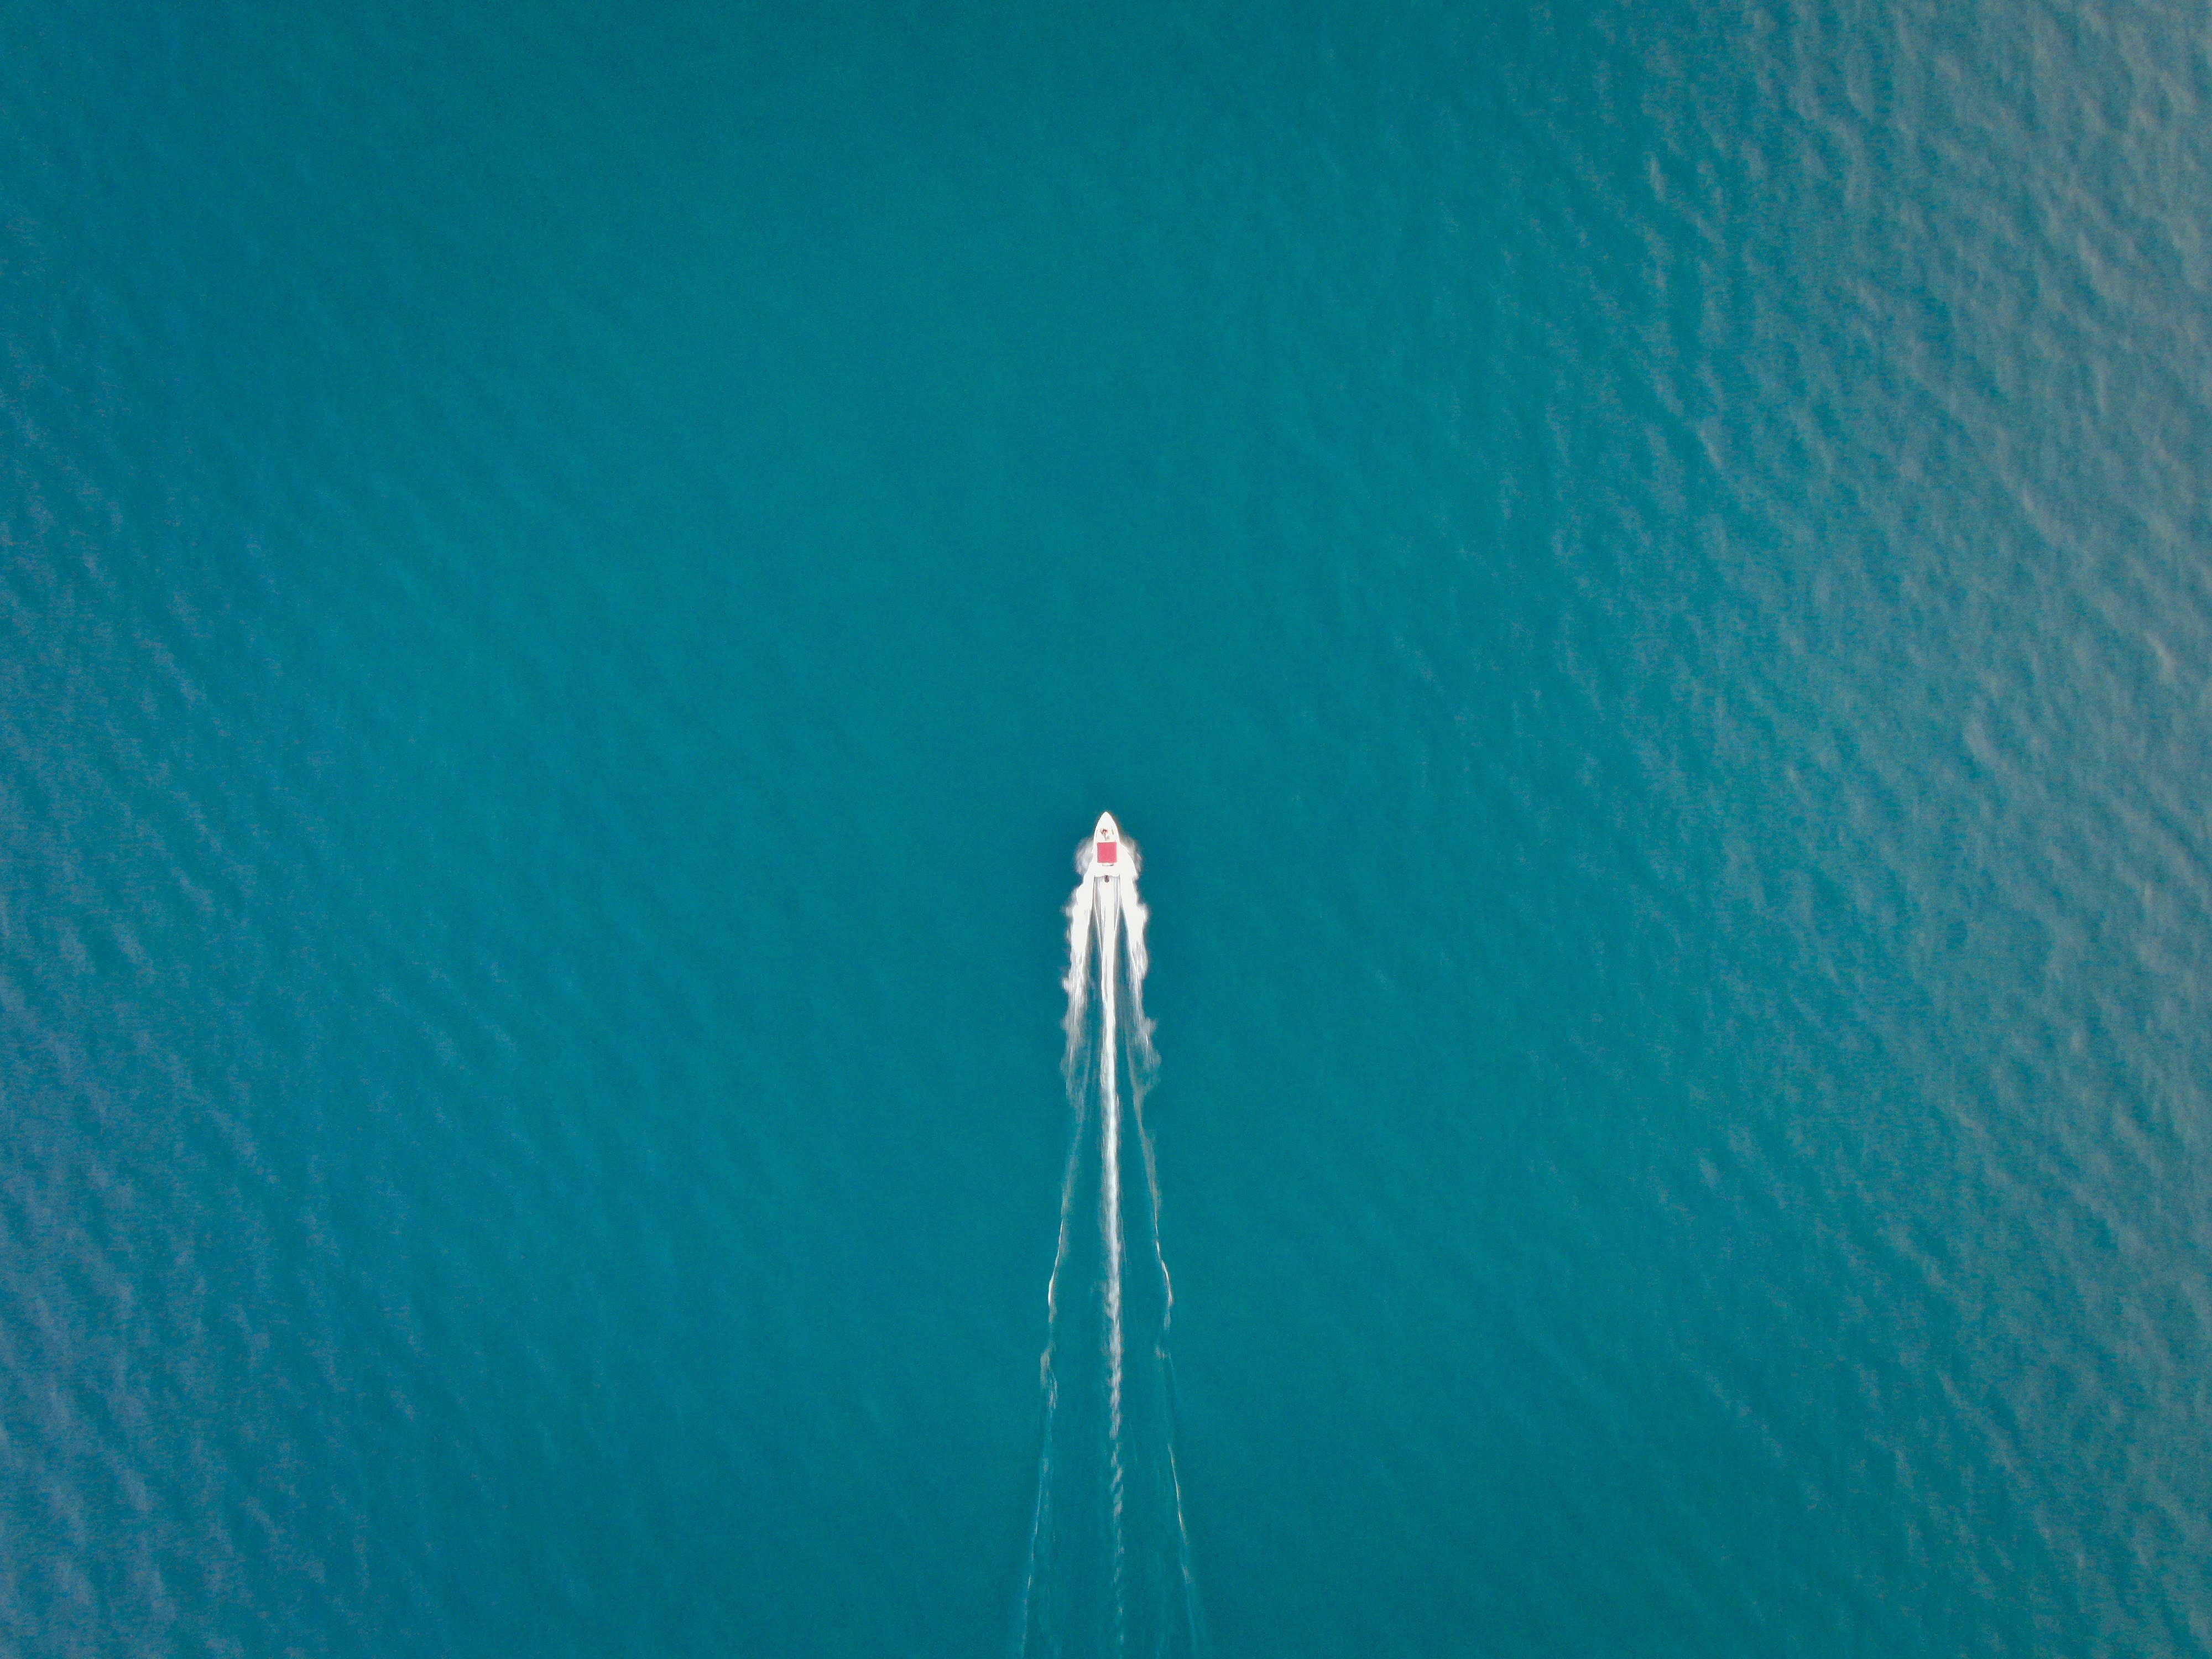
[573,574]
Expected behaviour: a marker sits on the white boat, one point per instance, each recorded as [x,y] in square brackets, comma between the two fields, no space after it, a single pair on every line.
[1108,860]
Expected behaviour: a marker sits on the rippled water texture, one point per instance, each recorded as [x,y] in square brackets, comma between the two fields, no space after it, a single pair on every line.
[569,574]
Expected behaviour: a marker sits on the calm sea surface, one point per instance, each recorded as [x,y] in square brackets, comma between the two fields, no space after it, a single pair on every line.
[571,573]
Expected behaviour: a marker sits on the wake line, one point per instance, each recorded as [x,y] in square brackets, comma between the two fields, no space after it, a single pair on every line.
[1081,907]
[1109,1214]
[1064,1574]
[1144,1065]
[1046,1380]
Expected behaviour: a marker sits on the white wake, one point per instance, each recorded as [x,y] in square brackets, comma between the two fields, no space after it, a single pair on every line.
[1106,919]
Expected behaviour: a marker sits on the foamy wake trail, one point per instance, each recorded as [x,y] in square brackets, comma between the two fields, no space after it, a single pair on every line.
[1105,917]
[1110,1217]
[1143,1065]
[1082,905]
[1076,982]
